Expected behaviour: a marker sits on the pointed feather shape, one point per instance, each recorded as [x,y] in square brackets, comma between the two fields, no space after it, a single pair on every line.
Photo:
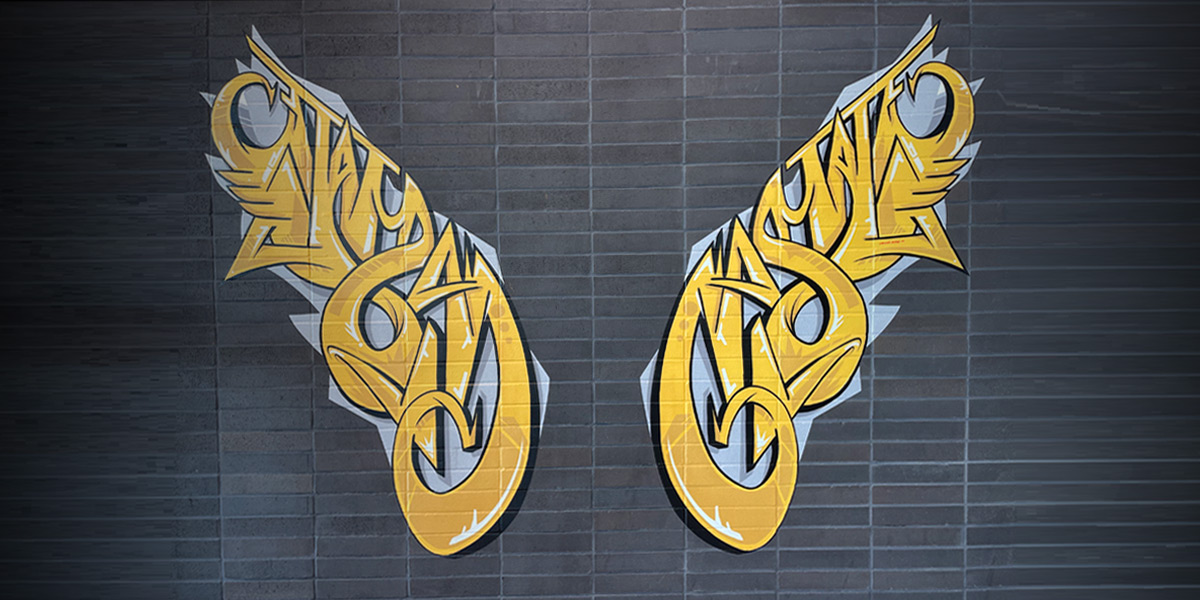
[414,324]
[864,198]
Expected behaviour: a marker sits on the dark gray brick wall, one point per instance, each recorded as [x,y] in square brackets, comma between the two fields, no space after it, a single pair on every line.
[1029,432]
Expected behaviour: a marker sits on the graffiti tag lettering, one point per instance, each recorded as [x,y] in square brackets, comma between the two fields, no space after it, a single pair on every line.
[774,317]
[414,323]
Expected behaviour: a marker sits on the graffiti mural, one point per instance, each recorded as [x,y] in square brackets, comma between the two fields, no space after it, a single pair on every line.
[411,314]
[776,311]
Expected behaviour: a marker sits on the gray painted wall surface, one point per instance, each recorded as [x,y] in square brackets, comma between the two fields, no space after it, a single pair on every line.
[1028,432]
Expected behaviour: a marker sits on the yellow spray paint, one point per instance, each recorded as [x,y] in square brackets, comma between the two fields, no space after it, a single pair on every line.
[316,196]
[868,188]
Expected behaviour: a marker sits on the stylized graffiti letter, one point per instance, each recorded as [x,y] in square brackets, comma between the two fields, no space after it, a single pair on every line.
[416,328]
[773,321]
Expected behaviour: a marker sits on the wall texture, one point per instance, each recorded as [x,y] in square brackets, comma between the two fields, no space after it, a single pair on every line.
[1026,432]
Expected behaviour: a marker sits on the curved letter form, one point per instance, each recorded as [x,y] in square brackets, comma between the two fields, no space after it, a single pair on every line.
[413,320]
[773,319]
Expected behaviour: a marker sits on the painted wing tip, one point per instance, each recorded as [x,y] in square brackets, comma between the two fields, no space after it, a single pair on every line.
[217,163]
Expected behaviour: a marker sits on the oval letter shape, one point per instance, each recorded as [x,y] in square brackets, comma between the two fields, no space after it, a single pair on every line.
[776,311]
[412,317]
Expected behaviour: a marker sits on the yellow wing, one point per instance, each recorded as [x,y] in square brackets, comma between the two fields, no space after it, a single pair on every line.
[323,198]
[450,374]
[735,368]
[863,188]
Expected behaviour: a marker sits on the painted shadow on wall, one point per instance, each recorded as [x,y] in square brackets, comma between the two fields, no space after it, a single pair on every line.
[412,316]
[770,327]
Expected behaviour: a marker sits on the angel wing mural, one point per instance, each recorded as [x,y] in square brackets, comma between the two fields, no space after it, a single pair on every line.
[776,311]
[411,315]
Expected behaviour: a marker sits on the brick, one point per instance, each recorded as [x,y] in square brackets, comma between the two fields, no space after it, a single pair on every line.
[1024,432]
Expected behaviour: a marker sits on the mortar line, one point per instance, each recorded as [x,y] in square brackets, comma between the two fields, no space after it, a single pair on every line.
[216,319]
[592,278]
[779,165]
[400,83]
[312,396]
[496,206]
[871,402]
[684,190]
[970,293]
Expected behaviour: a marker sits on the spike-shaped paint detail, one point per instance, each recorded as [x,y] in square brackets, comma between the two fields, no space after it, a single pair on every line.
[778,306]
[414,322]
